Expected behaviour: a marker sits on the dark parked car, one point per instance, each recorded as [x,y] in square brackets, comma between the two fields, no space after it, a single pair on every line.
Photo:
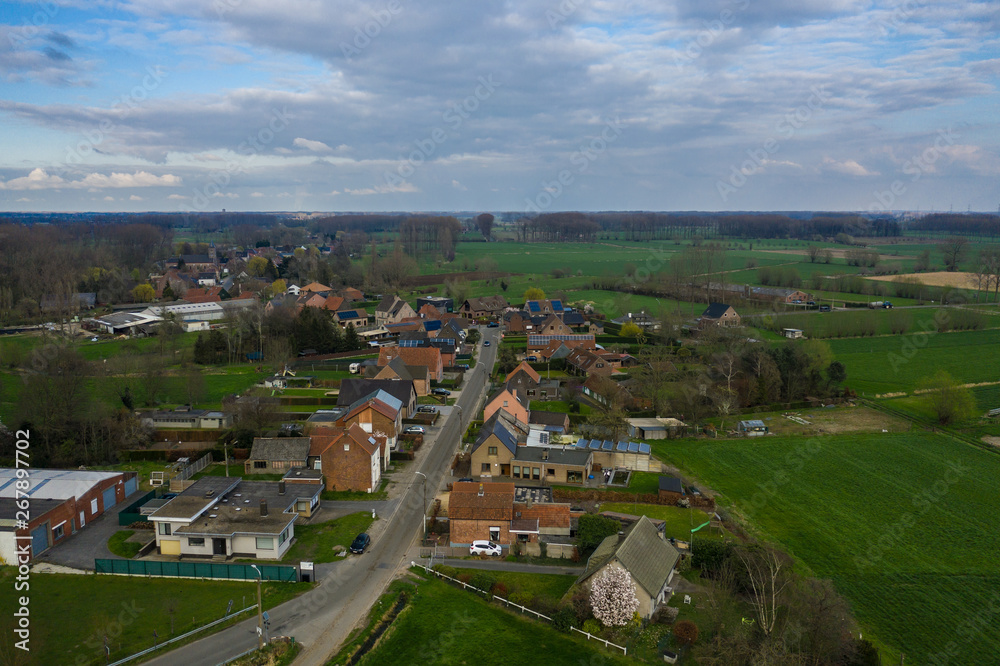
[360,543]
[824,308]
[486,343]
[440,391]
[492,324]
[427,409]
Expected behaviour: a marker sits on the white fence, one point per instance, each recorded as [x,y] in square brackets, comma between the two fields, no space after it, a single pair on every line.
[524,609]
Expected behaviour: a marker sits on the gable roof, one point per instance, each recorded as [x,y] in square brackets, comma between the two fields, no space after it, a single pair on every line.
[323,437]
[399,368]
[495,503]
[427,356]
[523,366]
[390,305]
[640,551]
[354,388]
[671,484]
[380,401]
[279,448]
[363,439]
[315,287]
[716,310]
[485,304]
[350,314]
[498,428]
[548,418]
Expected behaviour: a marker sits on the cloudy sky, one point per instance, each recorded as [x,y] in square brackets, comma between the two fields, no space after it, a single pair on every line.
[524,105]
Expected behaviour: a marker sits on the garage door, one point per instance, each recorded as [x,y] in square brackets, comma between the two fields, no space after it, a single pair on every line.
[109,497]
[39,540]
[131,485]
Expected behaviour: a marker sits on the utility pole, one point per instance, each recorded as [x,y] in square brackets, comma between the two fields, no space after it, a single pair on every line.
[260,611]
[225,452]
[423,508]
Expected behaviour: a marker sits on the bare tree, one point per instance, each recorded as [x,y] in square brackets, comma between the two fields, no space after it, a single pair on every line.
[768,577]
[953,250]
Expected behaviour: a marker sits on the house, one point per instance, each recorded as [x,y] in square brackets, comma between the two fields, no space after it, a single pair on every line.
[481,511]
[508,401]
[352,389]
[333,303]
[521,378]
[551,465]
[550,518]
[419,375]
[221,517]
[494,449]
[544,307]
[429,357]
[553,325]
[537,341]
[752,428]
[355,318]
[60,503]
[269,454]
[485,307]
[670,488]
[640,319]
[349,458]
[719,314]
[645,555]
[392,310]
[792,333]
[635,456]
[439,303]
[315,288]
[379,415]
[586,362]
[776,294]
[351,295]
[604,391]
[304,482]
[658,428]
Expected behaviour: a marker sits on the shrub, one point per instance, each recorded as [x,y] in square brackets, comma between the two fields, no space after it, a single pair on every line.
[500,590]
[581,604]
[484,580]
[520,598]
[446,570]
[564,618]
[592,626]
[593,529]
[464,577]
[686,632]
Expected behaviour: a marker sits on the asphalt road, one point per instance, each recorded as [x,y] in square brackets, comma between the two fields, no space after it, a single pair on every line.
[322,618]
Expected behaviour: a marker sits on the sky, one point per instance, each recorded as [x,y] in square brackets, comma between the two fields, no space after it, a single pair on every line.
[499,105]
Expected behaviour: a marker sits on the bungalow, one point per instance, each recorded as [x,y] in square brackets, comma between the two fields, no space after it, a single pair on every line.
[348,458]
[552,465]
[481,511]
[588,363]
[719,314]
[356,318]
[793,333]
[648,559]
[276,453]
[391,310]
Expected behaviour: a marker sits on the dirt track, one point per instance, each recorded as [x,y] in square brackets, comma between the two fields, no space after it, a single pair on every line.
[936,279]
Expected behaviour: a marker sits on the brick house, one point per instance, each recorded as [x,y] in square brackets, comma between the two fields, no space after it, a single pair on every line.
[348,457]
[719,314]
[588,363]
[430,357]
[487,306]
[508,401]
[551,465]
[481,511]
[392,310]
[553,325]
[549,518]
[494,449]
[353,389]
[397,369]
[380,415]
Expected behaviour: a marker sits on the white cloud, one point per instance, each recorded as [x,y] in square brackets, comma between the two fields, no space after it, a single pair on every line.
[315,146]
[109,198]
[135,197]
[848,167]
[177,197]
[23,200]
[405,187]
[257,195]
[39,179]
[458,186]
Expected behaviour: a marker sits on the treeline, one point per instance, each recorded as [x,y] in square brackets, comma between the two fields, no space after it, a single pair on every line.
[427,235]
[867,323]
[551,227]
[968,224]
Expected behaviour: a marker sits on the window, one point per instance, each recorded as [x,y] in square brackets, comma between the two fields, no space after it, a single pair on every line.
[535,473]
[265,543]
[93,506]
[485,468]
[494,534]
[58,532]
[283,536]
[301,506]
[504,403]
[260,464]
[196,541]
[164,528]
[551,471]
[492,450]
[517,472]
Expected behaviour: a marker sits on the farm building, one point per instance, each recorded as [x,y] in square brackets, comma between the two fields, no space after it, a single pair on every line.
[792,333]
[720,314]
[61,502]
[658,428]
[622,455]
[752,428]
[670,488]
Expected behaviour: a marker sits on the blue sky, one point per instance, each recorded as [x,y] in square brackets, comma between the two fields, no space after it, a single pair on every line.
[523,105]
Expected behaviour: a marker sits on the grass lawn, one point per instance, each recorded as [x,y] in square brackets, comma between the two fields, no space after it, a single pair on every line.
[447,625]
[356,495]
[550,587]
[644,482]
[118,545]
[899,363]
[678,522]
[219,469]
[315,542]
[143,468]
[560,406]
[70,614]
[902,523]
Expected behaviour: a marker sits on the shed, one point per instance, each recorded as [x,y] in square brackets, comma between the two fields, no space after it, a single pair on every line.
[753,428]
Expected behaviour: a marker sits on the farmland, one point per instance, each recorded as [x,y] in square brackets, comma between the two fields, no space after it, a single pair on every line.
[902,523]
[899,363]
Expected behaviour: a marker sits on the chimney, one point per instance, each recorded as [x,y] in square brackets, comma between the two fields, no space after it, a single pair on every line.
[545,454]
[281,487]
[529,503]
[263,508]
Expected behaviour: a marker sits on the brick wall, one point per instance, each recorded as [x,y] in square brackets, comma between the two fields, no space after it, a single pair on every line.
[464,532]
[347,470]
[552,518]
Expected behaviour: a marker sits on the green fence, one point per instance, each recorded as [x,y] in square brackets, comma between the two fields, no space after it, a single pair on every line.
[274,572]
[130,514]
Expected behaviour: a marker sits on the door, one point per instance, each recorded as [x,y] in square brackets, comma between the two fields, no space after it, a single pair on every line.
[109,497]
[218,546]
[82,521]
[131,485]
[39,540]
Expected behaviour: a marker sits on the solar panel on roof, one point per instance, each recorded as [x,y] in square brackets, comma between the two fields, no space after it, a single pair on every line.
[622,447]
[633,447]
[582,443]
[608,446]
[595,445]
[533,306]
[556,305]
[644,448]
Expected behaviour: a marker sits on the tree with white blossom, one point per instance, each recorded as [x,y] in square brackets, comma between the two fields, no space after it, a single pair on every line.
[612,597]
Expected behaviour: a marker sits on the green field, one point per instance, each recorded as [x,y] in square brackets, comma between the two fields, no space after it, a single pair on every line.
[900,363]
[547,587]
[70,614]
[904,524]
[447,625]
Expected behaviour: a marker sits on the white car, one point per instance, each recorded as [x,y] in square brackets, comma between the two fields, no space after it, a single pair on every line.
[485,548]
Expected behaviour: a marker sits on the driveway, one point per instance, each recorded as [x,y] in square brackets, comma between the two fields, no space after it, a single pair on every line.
[81,549]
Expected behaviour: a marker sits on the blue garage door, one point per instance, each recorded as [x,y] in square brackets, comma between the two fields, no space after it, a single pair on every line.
[131,485]
[39,540]
[109,497]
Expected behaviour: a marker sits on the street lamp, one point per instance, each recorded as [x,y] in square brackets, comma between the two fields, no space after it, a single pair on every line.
[260,610]
[423,507]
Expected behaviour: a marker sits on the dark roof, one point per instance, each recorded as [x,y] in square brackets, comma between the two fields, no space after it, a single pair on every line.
[715,310]
[352,389]
[671,484]
[280,448]
[648,558]
[571,456]
[498,428]
[351,314]
[547,418]
[574,319]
